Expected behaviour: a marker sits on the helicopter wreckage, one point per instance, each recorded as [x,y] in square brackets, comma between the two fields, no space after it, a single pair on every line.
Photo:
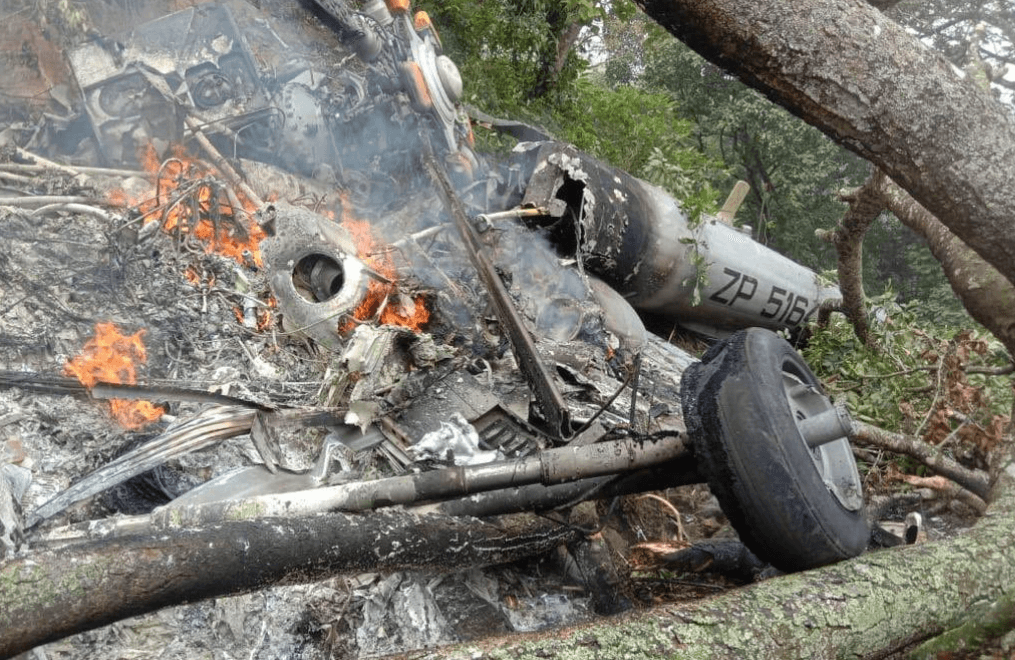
[426,358]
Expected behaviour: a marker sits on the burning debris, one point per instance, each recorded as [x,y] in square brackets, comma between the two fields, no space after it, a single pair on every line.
[350,317]
[110,357]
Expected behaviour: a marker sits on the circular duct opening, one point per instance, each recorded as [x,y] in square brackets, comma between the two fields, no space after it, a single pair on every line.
[318,277]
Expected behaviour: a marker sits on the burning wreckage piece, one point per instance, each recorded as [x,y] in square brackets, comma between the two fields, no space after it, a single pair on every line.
[633,236]
[314,273]
[201,55]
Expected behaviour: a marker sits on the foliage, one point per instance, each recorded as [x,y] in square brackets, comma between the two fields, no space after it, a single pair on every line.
[793,169]
[503,48]
[636,131]
[497,46]
[895,254]
[916,381]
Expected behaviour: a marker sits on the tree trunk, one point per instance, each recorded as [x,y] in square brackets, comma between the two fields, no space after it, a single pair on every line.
[56,593]
[866,607]
[862,79]
[554,56]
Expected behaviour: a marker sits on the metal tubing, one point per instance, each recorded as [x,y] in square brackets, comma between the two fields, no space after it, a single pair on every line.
[825,427]
[551,466]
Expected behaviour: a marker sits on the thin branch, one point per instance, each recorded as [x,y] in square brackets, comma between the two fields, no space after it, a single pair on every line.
[25,168]
[75,208]
[39,160]
[975,481]
[991,371]
[937,390]
[44,200]
[865,204]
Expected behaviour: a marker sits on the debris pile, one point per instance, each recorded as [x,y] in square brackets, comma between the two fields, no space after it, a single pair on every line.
[343,308]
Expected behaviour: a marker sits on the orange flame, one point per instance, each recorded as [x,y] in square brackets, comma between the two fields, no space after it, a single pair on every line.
[110,357]
[189,199]
[379,293]
[264,320]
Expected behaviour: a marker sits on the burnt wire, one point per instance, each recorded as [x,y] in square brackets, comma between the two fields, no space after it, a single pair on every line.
[634,389]
[627,381]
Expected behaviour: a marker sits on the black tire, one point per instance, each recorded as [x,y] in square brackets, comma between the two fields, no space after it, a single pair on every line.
[747,442]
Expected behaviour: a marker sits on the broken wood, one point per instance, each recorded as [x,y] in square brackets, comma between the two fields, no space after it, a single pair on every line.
[976,482]
[948,488]
[93,584]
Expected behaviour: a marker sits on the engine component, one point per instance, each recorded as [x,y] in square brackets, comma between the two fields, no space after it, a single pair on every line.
[313,272]
[202,55]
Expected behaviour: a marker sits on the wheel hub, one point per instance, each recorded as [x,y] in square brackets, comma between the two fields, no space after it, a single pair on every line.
[824,429]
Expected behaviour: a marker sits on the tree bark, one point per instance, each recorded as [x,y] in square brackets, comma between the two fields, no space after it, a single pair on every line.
[865,204]
[866,607]
[566,30]
[861,78]
[56,593]
[984,292]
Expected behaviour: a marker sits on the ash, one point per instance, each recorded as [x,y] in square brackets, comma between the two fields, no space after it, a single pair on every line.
[207,324]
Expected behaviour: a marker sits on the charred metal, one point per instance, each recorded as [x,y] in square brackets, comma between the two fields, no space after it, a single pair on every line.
[360,333]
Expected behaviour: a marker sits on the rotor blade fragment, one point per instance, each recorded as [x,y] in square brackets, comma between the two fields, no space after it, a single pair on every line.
[551,402]
[203,430]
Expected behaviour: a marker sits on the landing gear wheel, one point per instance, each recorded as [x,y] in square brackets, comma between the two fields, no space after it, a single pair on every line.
[775,452]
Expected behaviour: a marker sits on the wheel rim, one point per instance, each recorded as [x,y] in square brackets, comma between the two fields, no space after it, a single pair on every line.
[833,459]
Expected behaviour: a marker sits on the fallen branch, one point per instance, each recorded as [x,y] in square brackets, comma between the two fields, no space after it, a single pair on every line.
[972,480]
[75,208]
[45,200]
[17,178]
[223,165]
[90,585]
[948,488]
[991,371]
[24,168]
[44,162]
[865,607]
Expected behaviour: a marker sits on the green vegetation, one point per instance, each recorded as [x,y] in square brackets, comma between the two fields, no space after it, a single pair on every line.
[502,48]
[919,379]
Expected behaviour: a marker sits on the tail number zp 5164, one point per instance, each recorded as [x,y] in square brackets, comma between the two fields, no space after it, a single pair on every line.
[784,307]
